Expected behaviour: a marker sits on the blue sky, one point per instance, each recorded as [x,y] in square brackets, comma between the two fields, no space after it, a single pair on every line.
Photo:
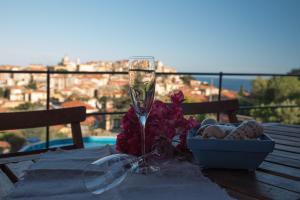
[202,36]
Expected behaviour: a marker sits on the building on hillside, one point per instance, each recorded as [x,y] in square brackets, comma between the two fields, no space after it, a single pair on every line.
[160,67]
[120,66]
[104,66]
[86,67]
[15,93]
[97,80]
[23,83]
[36,67]
[5,76]
[65,61]
[80,91]
[56,98]
[208,90]
[160,89]
[121,82]
[193,96]
[66,65]
[58,81]
[91,122]
[10,82]
[94,103]
[172,87]
[35,96]
[65,92]
[195,83]
[11,104]
[23,78]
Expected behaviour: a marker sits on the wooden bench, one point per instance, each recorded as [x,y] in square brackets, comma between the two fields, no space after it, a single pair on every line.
[34,119]
[229,107]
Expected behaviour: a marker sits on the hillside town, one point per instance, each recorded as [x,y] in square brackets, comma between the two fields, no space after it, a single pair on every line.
[97,92]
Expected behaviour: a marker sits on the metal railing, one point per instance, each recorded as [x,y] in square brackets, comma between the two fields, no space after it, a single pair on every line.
[221,75]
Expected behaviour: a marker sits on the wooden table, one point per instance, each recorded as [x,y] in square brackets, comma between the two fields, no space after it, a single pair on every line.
[278,177]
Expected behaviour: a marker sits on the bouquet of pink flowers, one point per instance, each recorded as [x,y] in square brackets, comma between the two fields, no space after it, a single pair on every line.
[164,123]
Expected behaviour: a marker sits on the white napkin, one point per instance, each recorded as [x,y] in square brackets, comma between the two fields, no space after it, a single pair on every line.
[58,176]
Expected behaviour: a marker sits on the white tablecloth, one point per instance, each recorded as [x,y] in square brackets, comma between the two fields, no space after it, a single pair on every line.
[58,176]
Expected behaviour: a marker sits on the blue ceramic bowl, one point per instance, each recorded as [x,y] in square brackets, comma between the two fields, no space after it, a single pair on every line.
[229,154]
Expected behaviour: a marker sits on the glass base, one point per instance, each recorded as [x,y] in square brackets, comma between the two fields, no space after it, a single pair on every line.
[146,169]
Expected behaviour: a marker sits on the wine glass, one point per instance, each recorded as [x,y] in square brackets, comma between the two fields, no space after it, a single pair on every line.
[142,90]
[109,171]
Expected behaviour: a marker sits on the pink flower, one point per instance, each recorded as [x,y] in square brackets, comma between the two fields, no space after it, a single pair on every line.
[164,121]
[177,97]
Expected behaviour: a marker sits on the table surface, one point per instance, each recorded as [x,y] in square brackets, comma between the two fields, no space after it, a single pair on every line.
[278,177]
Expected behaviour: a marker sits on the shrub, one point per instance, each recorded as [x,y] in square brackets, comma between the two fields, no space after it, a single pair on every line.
[16,141]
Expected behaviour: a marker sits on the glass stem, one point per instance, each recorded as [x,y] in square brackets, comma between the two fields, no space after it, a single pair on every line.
[143,119]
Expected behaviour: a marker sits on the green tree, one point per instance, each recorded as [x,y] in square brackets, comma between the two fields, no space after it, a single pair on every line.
[281,88]
[61,70]
[50,67]
[2,92]
[284,115]
[76,96]
[244,101]
[102,101]
[259,87]
[295,71]
[273,92]
[39,133]
[264,114]
[288,115]
[122,103]
[15,140]
[187,79]
[241,91]
[28,106]
[24,106]
[31,85]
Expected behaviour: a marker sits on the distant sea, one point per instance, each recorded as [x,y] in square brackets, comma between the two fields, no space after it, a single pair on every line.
[229,83]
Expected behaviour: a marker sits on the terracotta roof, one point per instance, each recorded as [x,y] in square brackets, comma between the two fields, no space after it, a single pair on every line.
[229,94]
[77,103]
[39,91]
[57,127]
[39,68]
[4,145]
[7,67]
[3,110]
[16,87]
[66,89]
[89,121]
[56,76]
[193,97]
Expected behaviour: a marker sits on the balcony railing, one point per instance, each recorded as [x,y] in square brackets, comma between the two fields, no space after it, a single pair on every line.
[220,76]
